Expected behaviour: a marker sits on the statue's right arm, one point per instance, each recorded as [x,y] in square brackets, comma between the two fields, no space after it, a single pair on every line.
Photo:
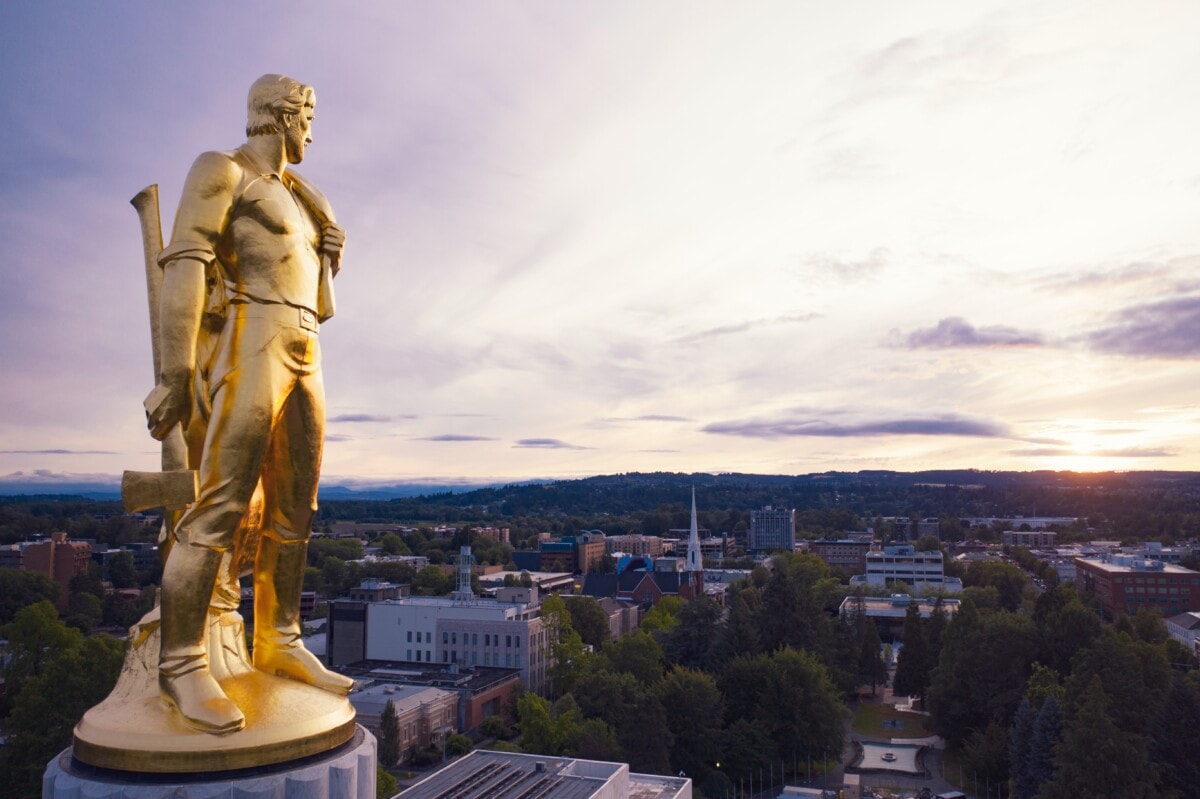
[204,210]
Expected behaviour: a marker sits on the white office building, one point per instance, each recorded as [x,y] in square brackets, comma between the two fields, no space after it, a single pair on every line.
[772,529]
[924,571]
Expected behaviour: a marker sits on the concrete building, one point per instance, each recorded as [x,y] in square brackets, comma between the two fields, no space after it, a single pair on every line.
[1123,584]
[849,555]
[623,617]
[1185,628]
[503,632]
[377,591]
[481,691]
[484,774]
[772,529]
[427,715]
[924,571]
[1031,539]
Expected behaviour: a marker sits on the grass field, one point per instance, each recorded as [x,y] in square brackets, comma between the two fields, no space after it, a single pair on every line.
[869,718]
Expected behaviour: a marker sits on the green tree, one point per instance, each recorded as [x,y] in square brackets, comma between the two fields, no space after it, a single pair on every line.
[59,682]
[458,745]
[389,735]
[1047,732]
[432,581]
[538,731]
[1095,759]
[664,616]
[1020,741]
[84,611]
[1006,578]
[589,620]
[385,784]
[690,643]
[121,570]
[914,663]
[695,720]
[20,589]
[1177,737]
[638,654]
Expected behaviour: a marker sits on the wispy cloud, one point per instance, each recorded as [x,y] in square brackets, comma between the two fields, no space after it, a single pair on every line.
[793,426]
[335,438]
[742,327]
[647,417]
[545,443]
[847,270]
[367,417]
[454,437]
[956,332]
[1164,329]
[1127,452]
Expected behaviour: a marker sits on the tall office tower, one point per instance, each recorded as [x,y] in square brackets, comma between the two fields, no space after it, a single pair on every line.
[772,529]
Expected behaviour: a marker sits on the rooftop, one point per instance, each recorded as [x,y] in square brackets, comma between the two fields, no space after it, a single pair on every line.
[485,774]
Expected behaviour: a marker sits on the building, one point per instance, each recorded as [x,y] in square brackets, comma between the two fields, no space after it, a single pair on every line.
[717,547]
[59,559]
[1031,539]
[623,617]
[646,587]
[503,632]
[1185,628]
[924,571]
[484,774]
[427,715]
[577,554]
[377,591]
[849,555]
[1123,584]
[481,691]
[888,612]
[772,529]
[634,544]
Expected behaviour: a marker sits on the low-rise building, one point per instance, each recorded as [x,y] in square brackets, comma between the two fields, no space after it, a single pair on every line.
[1123,584]
[924,571]
[427,715]
[1185,628]
[634,544]
[481,691]
[1030,539]
[484,774]
[888,612]
[846,554]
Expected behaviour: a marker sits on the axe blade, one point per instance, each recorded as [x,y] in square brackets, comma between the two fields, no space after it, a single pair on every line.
[169,490]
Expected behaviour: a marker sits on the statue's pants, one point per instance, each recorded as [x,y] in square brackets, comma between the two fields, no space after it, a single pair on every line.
[268,422]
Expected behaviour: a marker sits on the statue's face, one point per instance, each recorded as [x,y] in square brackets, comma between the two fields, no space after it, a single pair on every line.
[298,134]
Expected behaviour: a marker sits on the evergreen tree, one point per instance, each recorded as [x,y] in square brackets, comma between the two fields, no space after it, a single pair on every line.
[913,664]
[1095,759]
[1020,740]
[389,735]
[1176,746]
[695,711]
[1047,732]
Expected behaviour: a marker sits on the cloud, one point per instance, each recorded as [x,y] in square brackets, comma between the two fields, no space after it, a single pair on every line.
[941,425]
[454,437]
[647,417]
[57,452]
[726,330]
[545,443]
[367,417]
[334,438]
[1128,452]
[1164,329]
[954,331]
[848,270]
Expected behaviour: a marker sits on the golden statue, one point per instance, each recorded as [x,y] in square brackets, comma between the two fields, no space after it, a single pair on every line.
[240,408]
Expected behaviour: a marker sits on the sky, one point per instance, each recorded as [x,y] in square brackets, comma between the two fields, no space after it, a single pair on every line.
[599,237]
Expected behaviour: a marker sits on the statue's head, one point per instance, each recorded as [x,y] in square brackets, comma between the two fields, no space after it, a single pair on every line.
[278,104]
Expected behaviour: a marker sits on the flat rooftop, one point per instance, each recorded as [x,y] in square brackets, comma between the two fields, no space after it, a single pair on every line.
[484,774]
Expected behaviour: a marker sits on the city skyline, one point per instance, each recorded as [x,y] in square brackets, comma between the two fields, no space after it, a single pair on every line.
[587,239]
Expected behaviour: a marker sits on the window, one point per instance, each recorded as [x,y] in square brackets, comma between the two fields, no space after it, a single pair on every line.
[408,656]
[475,639]
[487,639]
[410,636]
[454,638]
[445,637]
[508,641]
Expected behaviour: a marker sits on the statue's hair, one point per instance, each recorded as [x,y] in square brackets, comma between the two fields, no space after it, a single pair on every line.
[271,96]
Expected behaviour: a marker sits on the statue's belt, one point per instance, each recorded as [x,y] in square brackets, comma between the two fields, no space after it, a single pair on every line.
[276,312]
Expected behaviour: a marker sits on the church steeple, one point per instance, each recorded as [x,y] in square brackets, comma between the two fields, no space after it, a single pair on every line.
[695,562]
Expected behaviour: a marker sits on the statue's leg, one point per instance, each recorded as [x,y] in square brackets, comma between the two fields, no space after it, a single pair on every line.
[290,481]
[234,450]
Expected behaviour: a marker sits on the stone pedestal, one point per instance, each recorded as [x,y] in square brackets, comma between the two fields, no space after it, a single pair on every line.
[347,772]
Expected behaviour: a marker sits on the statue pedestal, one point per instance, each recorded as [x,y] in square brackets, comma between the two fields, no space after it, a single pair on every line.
[347,772]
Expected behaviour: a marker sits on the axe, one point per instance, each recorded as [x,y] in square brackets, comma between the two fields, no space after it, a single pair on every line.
[176,485]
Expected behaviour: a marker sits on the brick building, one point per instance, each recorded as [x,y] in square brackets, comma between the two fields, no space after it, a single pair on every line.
[59,559]
[1123,584]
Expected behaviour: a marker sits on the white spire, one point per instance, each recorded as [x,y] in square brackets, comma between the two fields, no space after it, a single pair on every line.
[694,562]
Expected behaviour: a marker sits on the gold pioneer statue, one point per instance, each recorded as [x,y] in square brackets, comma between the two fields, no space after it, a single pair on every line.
[251,229]
[236,299]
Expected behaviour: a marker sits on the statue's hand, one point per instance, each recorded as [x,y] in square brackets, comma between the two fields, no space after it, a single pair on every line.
[333,240]
[168,404]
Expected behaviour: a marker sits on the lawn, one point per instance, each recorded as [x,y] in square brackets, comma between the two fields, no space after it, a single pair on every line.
[870,718]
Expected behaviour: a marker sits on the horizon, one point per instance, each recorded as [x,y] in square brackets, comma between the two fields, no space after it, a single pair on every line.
[796,239]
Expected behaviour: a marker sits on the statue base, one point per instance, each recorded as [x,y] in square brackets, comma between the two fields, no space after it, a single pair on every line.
[347,772]
[133,730]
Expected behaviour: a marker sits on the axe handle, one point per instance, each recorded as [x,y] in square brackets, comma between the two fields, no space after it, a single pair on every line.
[174,450]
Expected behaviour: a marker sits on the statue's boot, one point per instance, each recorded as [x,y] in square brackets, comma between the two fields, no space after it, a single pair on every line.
[184,679]
[278,649]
